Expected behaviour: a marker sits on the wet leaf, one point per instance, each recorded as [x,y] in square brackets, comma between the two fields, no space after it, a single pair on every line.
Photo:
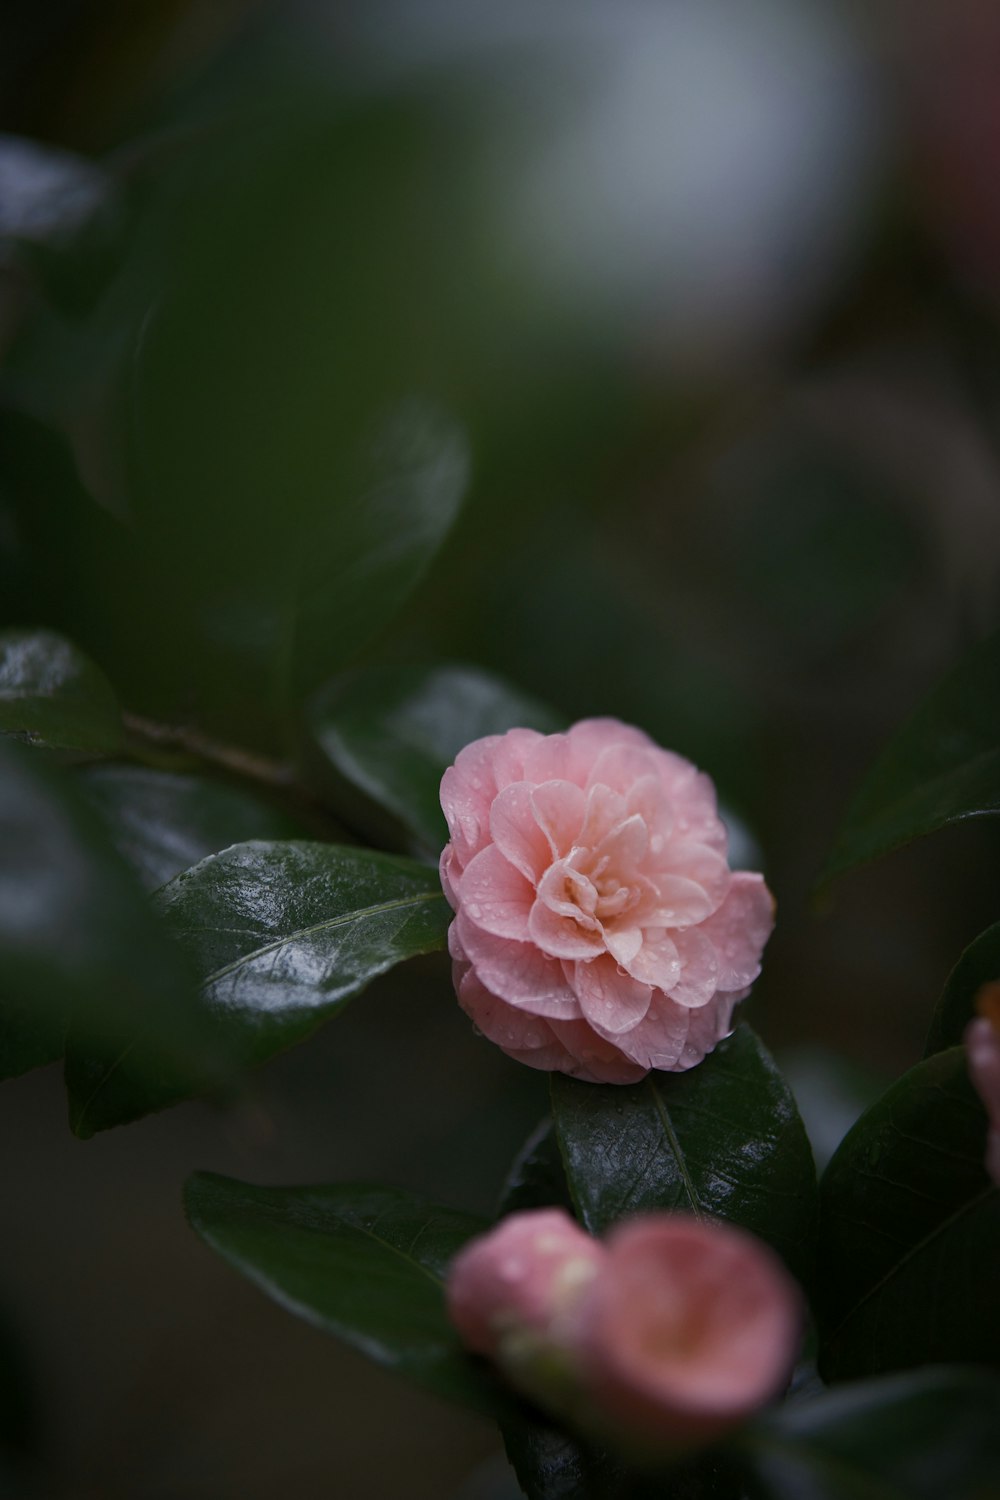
[283,934]
[723,1139]
[918,1436]
[54,696]
[162,822]
[908,1232]
[941,767]
[362,1262]
[392,733]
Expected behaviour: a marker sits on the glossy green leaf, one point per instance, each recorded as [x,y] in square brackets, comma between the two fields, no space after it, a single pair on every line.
[919,1436]
[979,964]
[82,956]
[909,1228]
[162,822]
[723,1139]
[941,767]
[392,733]
[282,935]
[54,696]
[365,1263]
[537,1177]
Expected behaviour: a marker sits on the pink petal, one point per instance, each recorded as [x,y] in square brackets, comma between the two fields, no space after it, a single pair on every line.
[657,962]
[676,901]
[625,846]
[739,930]
[565,891]
[621,765]
[672,1038]
[699,968]
[692,797]
[499,1022]
[512,753]
[467,791]
[660,1037]
[605,809]
[698,863]
[470,785]
[516,832]
[549,760]
[594,1059]
[522,1277]
[516,972]
[623,943]
[559,808]
[562,937]
[610,1000]
[590,737]
[707,1027]
[649,799]
[495,896]
[450,875]
[690,1326]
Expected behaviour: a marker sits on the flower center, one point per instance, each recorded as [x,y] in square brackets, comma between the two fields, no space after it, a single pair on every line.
[596,887]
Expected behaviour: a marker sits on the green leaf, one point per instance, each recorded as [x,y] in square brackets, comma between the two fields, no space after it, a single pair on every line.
[81,954]
[282,935]
[537,1177]
[364,1263]
[54,696]
[319,474]
[392,733]
[978,965]
[919,1436]
[162,822]
[909,1228]
[723,1139]
[941,767]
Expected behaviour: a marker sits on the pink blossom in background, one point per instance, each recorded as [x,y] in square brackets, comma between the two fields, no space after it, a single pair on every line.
[982,1045]
[691,1326]
[512,1295]
[598,928]
[673,1331]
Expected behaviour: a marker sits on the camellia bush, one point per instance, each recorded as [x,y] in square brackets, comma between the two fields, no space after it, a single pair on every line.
[239,442]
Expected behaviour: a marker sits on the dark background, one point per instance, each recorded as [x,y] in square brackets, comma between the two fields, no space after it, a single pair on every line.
[707,297]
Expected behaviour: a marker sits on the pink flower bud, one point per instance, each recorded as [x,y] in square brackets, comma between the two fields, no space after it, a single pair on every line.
[512,1294]
[690,1327]
[982,1045]
[598,930]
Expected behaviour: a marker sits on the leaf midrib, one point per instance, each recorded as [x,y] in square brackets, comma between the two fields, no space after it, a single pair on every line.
[675,1146]
[327,925]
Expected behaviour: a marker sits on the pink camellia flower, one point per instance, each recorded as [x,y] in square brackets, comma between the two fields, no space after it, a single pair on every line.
[513,1292]
[598,928]
[673,1331]
[982,1047]
[690,1327]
